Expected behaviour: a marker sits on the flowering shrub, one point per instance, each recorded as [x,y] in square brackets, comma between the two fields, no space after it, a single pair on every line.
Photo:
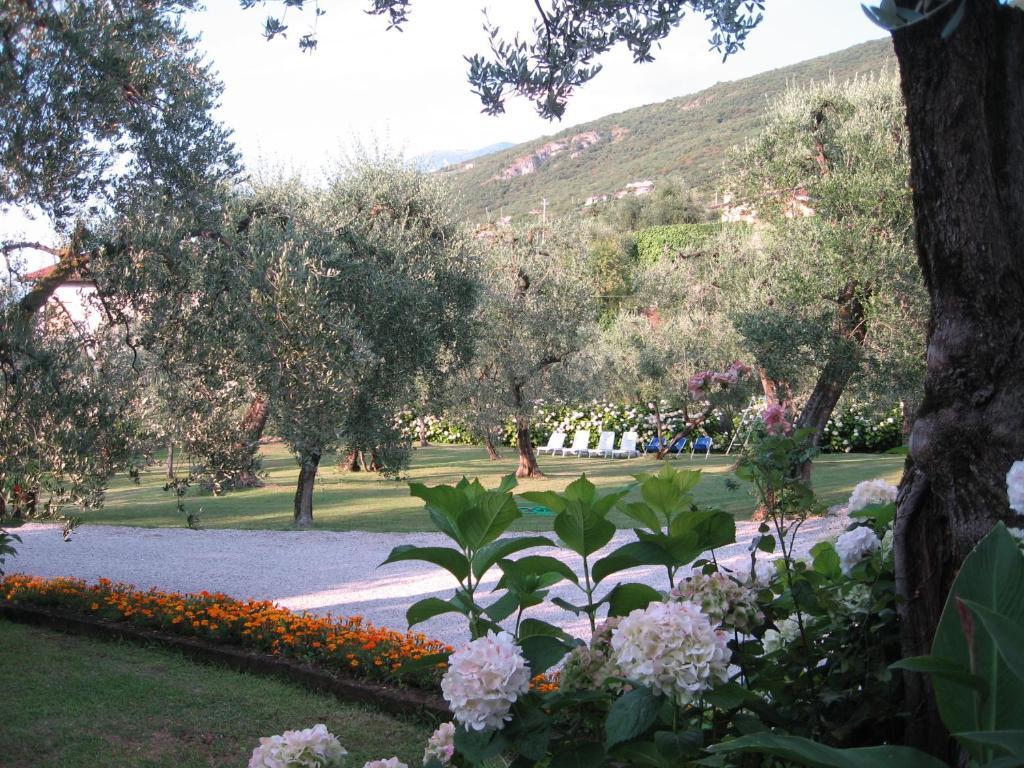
[313,747]
[391,762]
[672,648]
[348,645]
[724,600]
[484,679]
[1015,487]
[855,429]
[856,545]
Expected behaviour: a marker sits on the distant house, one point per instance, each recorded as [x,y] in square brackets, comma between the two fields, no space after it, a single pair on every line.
[73,297]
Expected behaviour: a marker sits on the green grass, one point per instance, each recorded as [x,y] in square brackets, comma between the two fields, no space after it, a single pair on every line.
[71,701]
[365,502]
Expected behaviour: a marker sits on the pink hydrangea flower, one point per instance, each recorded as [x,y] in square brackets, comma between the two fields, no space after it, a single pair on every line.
[774,418]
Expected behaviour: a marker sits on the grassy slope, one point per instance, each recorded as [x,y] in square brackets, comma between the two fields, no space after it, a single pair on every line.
[76,702]
[685,137]
[365,502]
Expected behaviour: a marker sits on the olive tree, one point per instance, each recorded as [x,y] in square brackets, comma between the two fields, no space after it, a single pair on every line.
[352,291]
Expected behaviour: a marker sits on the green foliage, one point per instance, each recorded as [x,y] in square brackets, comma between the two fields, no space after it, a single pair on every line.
[658,242]
[474,518]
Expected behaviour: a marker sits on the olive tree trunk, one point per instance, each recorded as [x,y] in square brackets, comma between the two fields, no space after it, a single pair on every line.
[308,465]
[492,450]
[170,460]
[527,458]
[965,113]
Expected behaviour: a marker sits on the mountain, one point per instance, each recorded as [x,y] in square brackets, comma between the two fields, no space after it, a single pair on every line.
[433,161]
[684,138]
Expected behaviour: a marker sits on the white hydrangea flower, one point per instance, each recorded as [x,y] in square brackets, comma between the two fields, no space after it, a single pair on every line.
[313,747]
[441,744]
[869,492]
[1018,534]
[857,599]
[763,575]
[589,668]
[786,632]
[1015,487]
[673,649]
[725,602]
[483,680]
[853,546]
[391,762]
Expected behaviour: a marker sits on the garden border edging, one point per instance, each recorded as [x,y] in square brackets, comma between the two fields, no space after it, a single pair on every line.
[401,701]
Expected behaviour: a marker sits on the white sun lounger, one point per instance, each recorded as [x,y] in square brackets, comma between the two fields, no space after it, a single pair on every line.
[627,448]
[605,445]
[580,443]
[555,443]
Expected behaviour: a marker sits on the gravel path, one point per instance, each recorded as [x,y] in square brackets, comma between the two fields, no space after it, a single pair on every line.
[317,571]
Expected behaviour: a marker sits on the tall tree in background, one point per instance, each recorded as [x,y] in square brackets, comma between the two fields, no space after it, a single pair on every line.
[960,64]
[535,316]
[350,294]
[828,292]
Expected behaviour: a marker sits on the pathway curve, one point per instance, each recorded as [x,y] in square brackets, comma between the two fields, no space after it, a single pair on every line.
[317,571]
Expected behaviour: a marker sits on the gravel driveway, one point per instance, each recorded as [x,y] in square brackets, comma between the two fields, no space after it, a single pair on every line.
[316,571]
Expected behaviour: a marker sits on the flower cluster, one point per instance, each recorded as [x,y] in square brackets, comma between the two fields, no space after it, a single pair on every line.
[1015,487]
[391,762]
[722,599]
[346,644]
[870,492]
[784,633]
[591,667]
[673,649]
[313,747]
[441,745]
[853,546]
[774,418]
[701,383]
[484,679]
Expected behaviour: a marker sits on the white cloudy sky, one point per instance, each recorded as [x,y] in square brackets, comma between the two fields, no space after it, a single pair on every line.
[407,92]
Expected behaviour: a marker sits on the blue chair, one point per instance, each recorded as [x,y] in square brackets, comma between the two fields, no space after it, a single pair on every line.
[654,446]
[702,444]
[679,446]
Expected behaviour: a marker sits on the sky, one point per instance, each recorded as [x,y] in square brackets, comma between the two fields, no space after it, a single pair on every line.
[372,90]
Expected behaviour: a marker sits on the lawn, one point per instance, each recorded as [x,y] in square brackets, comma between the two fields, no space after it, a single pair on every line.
[76,702]
[365,502]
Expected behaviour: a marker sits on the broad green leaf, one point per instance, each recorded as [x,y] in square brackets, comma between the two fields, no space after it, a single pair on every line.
[543,651]
[881,514]
[642,754]
[807,752]
[643,514]
[1011,741]
[631,715]
[630,556]
[479,746]
[604,504]
[678,746]
[826,559]
[508,482]
[548,499]
[488,518]
[566,605]
[445,505]
[532,627]
[428,608]
[503,607]
[943,668]
[581,490]
[728,696]
[497,550]
[628,597]
[1008,636]
[451,560]
[583,530]
[992,576]
[713,527]
[537,565]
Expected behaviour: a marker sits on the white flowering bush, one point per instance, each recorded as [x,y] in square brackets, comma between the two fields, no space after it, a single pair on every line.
[853,546]
[725,601]
[857,429]
[484,679]
[1015,487]
[313,747]
[781,635]
[440,745]
[672,648]
[871,492]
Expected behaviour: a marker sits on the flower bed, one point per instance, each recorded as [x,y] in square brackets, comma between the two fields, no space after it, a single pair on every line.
[349,645]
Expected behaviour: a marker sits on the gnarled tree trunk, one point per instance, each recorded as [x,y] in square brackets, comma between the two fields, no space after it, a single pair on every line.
[170,460]
[492,451]
[527,459]
[250,431]
[308,465]
[965,112]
